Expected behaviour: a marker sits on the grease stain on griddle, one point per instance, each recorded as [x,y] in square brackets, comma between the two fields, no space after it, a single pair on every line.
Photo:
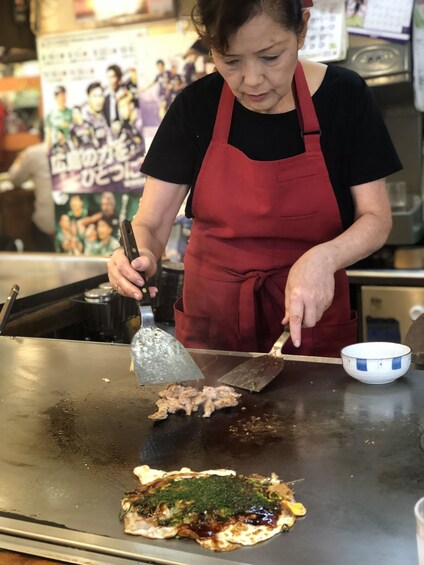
[63,418]
[259,429]
[17,463]
[251,430]
[98,432]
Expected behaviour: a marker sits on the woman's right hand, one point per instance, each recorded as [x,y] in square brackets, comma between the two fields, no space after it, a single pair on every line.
[152,225]
[126,278]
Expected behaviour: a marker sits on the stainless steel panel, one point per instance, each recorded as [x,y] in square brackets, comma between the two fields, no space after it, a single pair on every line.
[74,424]
[400,303]
[409,258]
[40,272]
[410,277]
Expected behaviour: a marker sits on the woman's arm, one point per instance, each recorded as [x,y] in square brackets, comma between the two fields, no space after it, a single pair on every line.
[310,284]
[152,226]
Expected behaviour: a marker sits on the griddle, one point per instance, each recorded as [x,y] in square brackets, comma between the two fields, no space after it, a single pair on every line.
[74,424]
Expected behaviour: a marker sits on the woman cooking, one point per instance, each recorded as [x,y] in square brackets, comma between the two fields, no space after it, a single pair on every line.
[285,165]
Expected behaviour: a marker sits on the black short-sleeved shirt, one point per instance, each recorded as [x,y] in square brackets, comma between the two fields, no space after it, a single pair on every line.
[354,139]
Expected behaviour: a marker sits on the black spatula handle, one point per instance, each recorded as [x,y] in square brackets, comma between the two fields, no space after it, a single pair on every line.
[131,251]
[7,306]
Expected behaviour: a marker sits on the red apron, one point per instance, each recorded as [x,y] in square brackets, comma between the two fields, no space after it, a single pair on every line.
[252,221]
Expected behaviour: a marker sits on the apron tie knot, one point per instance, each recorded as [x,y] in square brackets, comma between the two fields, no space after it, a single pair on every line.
[259,279]
[254,282]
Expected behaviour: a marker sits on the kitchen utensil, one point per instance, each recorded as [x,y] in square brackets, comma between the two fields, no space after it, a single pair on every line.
[419,515]
[415,339]
[256,373]
[7,306]
[158,356]
[376,362]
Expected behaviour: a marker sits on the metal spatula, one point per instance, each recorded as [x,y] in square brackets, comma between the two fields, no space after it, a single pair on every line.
[257,372]
[7,306]
[157,356]
[415,339]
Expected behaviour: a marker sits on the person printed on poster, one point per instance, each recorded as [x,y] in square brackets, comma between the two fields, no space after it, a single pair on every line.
[131,84]
[160,81]
[66,239]
[174,85]
[61,145]
[106,243]
[94,116]
[110,107]
[59,120]
[190,70]
[107,211]
[81,133]
[77,213]
[125,129]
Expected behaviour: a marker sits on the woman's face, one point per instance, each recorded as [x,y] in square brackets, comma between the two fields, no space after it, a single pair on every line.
[260,64]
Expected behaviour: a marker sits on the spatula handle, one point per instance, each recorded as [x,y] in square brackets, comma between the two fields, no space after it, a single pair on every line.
[7,306]
[131,251]
[279,344]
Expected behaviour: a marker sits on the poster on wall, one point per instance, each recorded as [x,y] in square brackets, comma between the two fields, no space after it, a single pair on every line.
[105,93]
[92,119]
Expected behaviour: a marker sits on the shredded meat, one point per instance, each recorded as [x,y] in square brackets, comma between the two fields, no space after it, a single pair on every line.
[177,397]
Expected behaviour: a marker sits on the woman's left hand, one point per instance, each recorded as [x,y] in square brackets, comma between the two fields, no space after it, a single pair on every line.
[309,291]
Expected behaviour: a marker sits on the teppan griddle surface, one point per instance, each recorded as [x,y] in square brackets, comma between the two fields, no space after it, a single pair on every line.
[74,424]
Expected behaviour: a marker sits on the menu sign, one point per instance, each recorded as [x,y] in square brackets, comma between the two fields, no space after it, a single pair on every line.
[326,39]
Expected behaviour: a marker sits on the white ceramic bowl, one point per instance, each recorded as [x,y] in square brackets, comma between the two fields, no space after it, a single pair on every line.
[376,362]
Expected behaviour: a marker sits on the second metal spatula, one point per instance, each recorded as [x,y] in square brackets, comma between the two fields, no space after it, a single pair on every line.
[158,357]
[255,373]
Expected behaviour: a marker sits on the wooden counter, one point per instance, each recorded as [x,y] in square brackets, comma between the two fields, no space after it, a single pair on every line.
[12,558]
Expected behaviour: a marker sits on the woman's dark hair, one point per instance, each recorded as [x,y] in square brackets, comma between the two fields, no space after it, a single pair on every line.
[217,20]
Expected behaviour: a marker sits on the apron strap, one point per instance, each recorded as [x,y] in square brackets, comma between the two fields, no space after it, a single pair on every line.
[221,130]
[309,124]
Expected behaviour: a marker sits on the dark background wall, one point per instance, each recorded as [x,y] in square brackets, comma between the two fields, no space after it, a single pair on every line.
[15,30]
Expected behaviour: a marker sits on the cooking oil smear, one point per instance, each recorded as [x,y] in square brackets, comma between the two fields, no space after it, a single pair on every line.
[63,425]
[160,358]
